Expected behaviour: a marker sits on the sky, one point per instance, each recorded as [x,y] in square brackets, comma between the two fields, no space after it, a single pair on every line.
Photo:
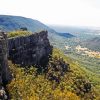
[55,12]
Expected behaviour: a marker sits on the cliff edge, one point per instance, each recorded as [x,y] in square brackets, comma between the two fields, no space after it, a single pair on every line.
[30,50]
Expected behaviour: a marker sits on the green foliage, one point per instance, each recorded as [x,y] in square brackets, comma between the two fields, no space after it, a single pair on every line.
[18,33]
[57,67]
[29,86]
[74,84]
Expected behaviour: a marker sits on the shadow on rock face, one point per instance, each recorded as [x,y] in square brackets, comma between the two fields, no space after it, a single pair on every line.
[30,50]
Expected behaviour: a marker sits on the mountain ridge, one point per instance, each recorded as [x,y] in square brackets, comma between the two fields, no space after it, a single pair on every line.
[11,23]
[20,22]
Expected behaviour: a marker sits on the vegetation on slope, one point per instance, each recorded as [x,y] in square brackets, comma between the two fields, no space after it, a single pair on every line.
[63,80]
[18,33]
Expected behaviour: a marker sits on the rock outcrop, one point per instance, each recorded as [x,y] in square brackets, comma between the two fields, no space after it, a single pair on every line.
[34,49]
[30,50]
[4,71]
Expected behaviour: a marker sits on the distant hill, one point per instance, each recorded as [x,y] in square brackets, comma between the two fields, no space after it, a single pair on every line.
[67,35]
[76,30]
[10,23]
[93,44]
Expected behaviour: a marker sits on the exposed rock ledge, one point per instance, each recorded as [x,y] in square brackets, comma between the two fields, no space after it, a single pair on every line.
[30,50]
[4,71]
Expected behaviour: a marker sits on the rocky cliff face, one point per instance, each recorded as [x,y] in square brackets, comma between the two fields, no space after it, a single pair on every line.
[4,71]
[30,50]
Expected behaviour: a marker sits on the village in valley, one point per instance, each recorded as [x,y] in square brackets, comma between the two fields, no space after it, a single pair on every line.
[85,51]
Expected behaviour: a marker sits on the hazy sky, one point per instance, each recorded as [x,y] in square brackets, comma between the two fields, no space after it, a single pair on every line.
[60,12]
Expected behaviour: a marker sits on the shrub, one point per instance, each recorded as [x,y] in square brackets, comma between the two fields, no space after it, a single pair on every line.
[18,33]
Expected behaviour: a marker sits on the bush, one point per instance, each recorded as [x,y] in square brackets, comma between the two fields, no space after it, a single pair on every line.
[18,33]
[58,83]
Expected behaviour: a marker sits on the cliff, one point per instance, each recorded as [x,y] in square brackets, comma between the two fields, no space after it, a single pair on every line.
[33,49]
[30,50]
[3,58]
[4,71]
